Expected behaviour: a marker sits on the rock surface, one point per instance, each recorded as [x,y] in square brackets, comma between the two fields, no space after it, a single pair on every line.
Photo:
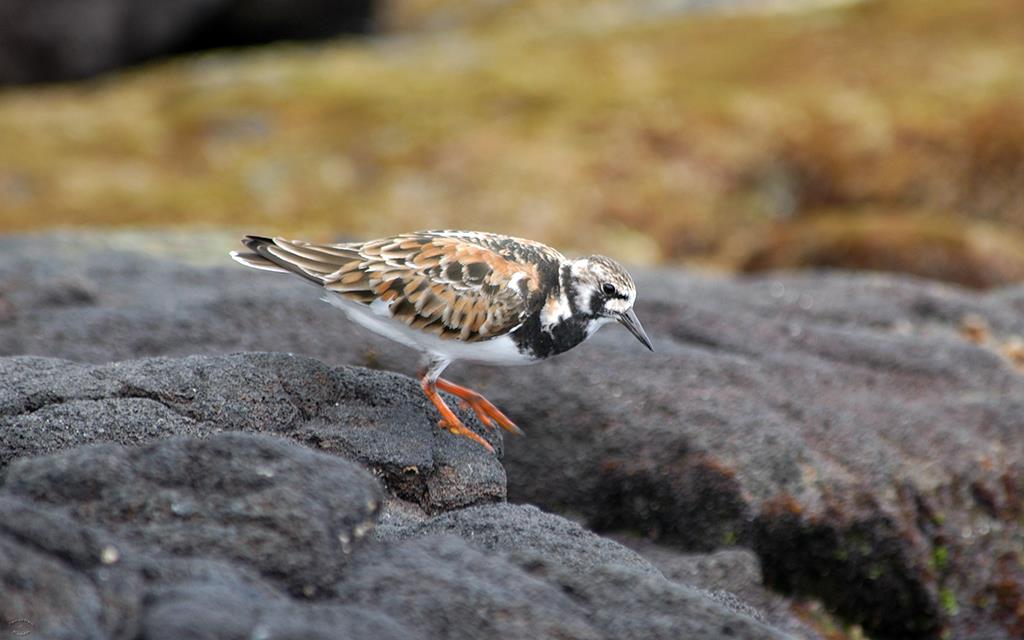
[860,434]
[842,428]
[290,513]
[596,570]
[47,405]
[242,535]
[60,578]
[735,573]
[69,39]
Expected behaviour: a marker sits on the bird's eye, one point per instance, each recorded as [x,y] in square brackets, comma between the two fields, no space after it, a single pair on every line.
[608,289]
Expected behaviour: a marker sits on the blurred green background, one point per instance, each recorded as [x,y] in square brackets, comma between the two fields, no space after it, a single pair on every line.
[882,134]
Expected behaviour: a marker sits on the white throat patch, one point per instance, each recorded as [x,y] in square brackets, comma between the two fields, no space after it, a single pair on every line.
[596,324]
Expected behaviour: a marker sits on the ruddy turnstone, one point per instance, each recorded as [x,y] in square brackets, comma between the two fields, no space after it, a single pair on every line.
[461,295]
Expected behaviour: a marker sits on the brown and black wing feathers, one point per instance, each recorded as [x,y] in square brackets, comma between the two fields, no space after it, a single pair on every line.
[458,285]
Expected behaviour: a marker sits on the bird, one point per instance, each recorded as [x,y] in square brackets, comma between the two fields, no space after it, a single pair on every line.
[461,296]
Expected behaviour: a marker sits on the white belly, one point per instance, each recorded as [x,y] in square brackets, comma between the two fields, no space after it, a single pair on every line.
[377,318]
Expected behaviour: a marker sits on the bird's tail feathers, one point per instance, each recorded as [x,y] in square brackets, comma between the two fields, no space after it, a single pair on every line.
[255,261]
[312,262]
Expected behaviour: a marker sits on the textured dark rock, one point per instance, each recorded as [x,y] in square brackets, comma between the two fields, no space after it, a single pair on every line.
[47,405]
[488,595]
[623,595]
[733,571]
[267,519]
[40,590]
[68,39]
[861,434]
[62,579]
[528,534]
[839,442]
[292,513]
[446,587]
[222,608]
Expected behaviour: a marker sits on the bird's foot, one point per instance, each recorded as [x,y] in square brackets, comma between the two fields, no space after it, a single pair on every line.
[449,421]
[460,429]
[481,406]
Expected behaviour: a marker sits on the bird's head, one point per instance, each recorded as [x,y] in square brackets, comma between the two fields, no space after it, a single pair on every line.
[604,292]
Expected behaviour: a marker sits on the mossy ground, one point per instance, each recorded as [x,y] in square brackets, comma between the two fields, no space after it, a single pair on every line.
[653,138]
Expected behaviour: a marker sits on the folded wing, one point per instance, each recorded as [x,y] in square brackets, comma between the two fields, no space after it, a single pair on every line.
[449,285]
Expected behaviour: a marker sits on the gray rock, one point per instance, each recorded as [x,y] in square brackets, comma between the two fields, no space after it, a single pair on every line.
[260,507]
[291,513]
[62,579]
[219,609]
[41,592]
[623,595]
[842,427]
[68,39]
[48,405]
[528,536]
[838,442]
[447,588]
[731,571]
[199,597]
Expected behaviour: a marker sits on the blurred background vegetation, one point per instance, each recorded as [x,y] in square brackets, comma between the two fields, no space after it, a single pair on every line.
[881,134]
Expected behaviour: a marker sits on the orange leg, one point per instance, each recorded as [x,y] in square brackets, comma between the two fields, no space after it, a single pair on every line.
[449,421]
[487,412]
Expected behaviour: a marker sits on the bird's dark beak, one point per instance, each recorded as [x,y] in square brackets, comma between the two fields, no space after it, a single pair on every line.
[629,320]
